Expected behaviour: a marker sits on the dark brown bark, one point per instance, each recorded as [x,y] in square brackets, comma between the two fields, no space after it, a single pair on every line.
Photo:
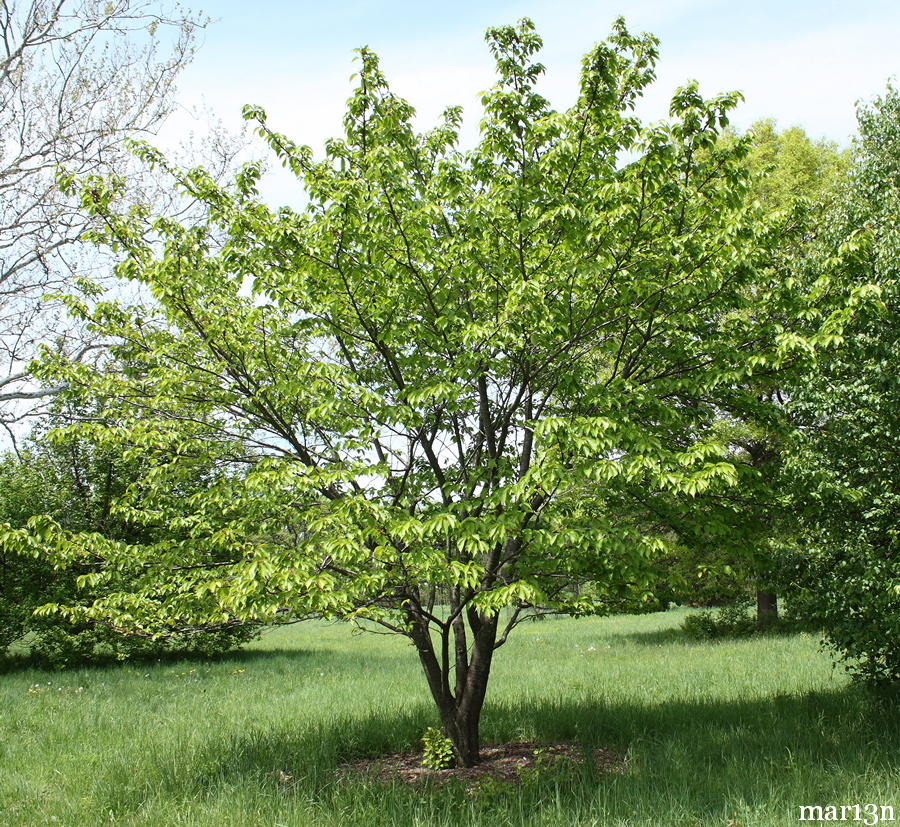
[460,708]
[766,609]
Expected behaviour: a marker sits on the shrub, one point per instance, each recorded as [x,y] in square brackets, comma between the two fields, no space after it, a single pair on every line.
[727,621]
[77,484]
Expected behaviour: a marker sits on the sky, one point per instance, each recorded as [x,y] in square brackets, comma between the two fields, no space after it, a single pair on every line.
[802,62]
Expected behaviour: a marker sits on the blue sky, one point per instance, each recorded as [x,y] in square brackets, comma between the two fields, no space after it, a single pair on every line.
[802,62]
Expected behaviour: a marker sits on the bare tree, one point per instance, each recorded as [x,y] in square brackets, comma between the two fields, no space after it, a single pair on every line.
[77,77]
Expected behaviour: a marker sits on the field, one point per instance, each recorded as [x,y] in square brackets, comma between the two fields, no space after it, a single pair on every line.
[735,733]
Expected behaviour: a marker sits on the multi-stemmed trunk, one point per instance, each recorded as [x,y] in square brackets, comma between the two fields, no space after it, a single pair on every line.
[461,700]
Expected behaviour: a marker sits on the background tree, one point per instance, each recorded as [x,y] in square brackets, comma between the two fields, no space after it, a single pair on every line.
[76,483]
[846,455]
[791,173]
[77,77]
[449,371]
[730,545]
[788,166]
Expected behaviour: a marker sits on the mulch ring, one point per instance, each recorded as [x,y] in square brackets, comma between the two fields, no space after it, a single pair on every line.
[501,762]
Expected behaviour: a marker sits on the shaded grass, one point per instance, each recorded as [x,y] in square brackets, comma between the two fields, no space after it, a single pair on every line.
[742,731]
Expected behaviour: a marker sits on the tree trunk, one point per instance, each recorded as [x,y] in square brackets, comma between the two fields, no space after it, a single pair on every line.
[460,710]
[462,730]
[766,609]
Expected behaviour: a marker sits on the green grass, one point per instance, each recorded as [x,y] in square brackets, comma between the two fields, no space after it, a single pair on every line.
[738,732]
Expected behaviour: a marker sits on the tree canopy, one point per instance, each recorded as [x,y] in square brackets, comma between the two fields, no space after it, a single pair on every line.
[427,396]
[790,166]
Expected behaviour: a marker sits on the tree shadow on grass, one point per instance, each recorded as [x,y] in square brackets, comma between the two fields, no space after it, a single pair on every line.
[701,759]
[700,756]
[656,637]
[28,661]
[676,634]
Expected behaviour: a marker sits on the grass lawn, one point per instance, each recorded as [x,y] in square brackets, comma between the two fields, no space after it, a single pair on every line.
[735,733]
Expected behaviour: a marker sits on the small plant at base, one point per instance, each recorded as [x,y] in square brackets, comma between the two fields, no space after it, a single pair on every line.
[438,753]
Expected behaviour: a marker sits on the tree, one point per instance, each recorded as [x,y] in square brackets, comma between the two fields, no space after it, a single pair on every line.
[800,178]
[788,166]
[442,379]
[77,77]
[792,173]
[728,547]
[76,483]
[845,456]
